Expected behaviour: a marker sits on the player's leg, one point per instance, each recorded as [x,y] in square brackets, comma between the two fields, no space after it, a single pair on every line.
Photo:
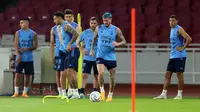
[95,79]
[168,75]
[73,65]
[100,67]
[63,73]
[18,71]
[86,70]
[29,70]
[58,74]
[180,68]
[111,66]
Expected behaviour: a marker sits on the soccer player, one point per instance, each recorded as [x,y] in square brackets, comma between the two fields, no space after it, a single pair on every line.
[177,58]
[25,42]
[67,36]
[107,35]
[89,61]
[69,15]
[56,60]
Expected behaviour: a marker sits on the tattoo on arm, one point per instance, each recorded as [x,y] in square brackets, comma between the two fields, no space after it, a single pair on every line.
[95,38]
[69,28]
[121,37]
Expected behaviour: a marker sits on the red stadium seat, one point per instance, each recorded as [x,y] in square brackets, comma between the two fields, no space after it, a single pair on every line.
[12,17]
[168,3]
[11,10]
[183,3]
[41,30]
[164,35]
[153,3]
[43,16]
[15,28]
[1,17]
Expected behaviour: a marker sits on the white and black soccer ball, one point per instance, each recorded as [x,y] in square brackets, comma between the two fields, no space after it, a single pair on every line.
[95,96]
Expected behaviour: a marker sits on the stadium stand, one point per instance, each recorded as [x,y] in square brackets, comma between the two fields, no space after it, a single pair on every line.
[152,16]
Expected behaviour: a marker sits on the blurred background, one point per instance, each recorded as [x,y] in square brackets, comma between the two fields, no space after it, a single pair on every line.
[152,36]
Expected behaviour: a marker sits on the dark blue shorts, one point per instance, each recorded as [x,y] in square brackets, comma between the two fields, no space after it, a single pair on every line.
[70,59]
[107,63]
[88,65]
[62,57]
[176,65]
[28,68]
[57,64]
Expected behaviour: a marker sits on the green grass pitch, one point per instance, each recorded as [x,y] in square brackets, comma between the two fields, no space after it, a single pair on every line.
[34,104]
[147,104]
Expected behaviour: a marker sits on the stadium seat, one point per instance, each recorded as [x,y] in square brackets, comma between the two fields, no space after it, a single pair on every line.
[1,17]
[183,3]
[153,3]
[14,17]
[168,3]
[11,10]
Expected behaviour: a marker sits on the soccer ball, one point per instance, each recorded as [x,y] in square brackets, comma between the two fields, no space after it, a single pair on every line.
[95,96]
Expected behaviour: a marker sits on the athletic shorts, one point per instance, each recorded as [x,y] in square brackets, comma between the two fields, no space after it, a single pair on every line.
[57,64]
[62,57]
[108,64]
[70,59]
[176,65]
[28,68]
[88,65]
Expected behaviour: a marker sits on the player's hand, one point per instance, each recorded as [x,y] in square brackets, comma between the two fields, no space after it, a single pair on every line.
[92,53]
[115,44]
[85,52]
[18,59]
[179,48]
[68,47]
[53,60]
[22,50]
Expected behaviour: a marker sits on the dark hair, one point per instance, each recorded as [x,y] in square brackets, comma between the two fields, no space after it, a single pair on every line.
[69,11]
[26,19]
[59,14]
[93,18]
[107,15]
[173,16]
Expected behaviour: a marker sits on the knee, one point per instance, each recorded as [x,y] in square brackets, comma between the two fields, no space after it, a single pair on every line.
[179,76]
[168,76]
[85,76]
[17,75]
[101,73]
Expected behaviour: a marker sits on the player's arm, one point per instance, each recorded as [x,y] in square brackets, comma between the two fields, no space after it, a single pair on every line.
[60,35]
[78,30]
[188,39]
[18,53]
[78,42]
[35,42]
[120,36]
[71,30]
[17,44]
[94,39]
[52,43]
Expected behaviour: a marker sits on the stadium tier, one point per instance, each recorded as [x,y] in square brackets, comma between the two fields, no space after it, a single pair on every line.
[152,16]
